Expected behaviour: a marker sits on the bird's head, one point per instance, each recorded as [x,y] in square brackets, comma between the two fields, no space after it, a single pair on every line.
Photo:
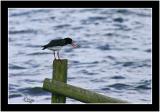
[70,41]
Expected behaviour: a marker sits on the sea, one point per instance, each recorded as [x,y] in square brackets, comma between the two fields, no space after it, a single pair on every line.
[113,56]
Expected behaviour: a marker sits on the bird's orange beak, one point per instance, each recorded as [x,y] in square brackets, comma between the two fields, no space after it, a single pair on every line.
[74,44]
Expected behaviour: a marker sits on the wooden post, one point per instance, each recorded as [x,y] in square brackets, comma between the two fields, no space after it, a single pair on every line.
[77,93]
[59,74]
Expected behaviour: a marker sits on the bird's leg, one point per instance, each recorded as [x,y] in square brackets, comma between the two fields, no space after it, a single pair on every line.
[58,55]
[54,55]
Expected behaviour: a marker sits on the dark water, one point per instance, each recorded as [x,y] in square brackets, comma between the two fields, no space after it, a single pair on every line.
[113,58]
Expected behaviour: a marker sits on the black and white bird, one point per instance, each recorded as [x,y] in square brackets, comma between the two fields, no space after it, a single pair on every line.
[57,44]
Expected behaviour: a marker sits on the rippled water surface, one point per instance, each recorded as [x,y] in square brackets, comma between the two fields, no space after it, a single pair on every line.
[113,57]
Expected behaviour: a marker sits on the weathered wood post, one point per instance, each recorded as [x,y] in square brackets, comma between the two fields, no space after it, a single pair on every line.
[60,90]
[59,74]
[78,93]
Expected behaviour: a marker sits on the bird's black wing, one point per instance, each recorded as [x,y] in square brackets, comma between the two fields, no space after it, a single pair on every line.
[57,42]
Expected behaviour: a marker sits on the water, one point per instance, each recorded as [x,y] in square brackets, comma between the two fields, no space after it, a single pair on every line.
[113,58]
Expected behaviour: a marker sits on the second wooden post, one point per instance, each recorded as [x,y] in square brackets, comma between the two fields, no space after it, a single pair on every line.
[59,74]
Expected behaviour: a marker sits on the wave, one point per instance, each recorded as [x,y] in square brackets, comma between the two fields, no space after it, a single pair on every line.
[13,66]
[120,86]
[33,91]
[23,31]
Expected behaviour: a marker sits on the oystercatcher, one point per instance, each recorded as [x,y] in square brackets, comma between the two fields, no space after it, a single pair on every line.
[57,44]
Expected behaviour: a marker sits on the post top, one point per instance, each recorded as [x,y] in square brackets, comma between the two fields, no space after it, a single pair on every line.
[60,60]
[57,61]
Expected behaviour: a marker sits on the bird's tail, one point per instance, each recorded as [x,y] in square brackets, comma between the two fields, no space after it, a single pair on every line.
[44,47]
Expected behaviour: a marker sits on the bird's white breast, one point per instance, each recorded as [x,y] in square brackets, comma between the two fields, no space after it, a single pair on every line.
[55,48]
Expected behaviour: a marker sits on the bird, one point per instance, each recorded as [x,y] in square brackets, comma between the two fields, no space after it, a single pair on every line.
[57,44]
